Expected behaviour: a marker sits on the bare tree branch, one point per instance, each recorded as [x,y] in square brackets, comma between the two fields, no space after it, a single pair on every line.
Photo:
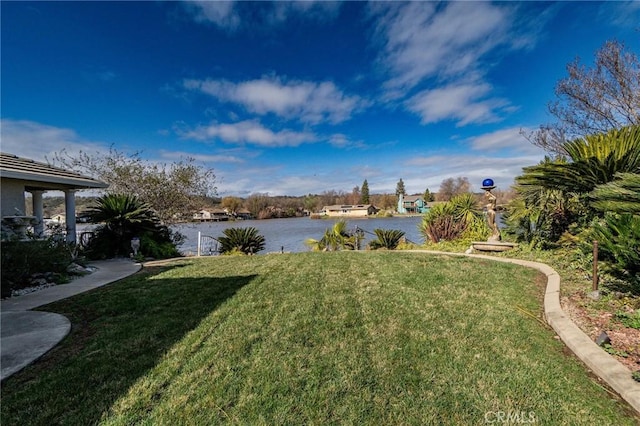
[593,100]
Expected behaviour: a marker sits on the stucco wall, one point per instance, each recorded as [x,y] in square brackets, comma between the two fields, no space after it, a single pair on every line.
[349,213]
[12,197]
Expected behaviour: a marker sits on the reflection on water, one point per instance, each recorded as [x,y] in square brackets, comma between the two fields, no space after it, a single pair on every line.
[289,234]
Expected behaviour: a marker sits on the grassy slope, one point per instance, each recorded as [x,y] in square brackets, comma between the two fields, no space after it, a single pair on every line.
[364,338]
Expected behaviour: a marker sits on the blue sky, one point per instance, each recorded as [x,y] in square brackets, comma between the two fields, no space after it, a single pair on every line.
[296,98]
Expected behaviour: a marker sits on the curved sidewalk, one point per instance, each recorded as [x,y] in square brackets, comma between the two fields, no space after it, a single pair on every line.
[616,375]
[27,335]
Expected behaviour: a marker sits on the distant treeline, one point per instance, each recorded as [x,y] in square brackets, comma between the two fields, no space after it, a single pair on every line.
[259,205]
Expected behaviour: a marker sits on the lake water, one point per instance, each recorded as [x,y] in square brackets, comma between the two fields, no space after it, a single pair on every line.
[289,234]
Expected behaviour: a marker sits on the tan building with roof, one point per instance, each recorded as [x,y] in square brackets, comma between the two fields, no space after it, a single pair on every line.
[19,175]
[348,210]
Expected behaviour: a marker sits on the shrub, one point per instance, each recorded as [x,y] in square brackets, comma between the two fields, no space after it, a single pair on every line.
[244,240]
[629,319]
[618,237]
[476,230]
[124,217]
[21,259]
[387,239]
[160,248]
[450,220]
[541,216]
[338,237]
[442,228]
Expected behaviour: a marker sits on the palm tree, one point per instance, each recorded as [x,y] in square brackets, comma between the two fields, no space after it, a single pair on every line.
[122,217]
[618,237]
[334,239]
[465,207]
[387,239]
[540,214]
[618,231]
[122,213]
[242,240]
[593,160]
[620,196]
[558,192]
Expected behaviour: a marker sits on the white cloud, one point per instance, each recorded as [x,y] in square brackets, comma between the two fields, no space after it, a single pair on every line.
[320,10]
[624,14]
[432,170]
[220,13]
[38,141]
[248,132]
[204,158]
[289,185]
[306,101]
[464,102]
[41,142]
[340,140]
[424,39]
[232,15]
[510,138]
[447,46]
[499,155]
[418,173]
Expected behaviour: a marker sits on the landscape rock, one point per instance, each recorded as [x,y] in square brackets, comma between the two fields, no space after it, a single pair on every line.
[603,339]
[38,281]
[74,268]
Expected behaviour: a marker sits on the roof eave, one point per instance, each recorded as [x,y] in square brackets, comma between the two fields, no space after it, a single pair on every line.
[38,179]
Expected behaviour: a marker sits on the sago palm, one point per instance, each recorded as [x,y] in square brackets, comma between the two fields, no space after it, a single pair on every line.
[540,214]
[122,216]
[618,237]
[241,240]
[620,196]
[593,160]
[387,239]
[335,238]
[123,212]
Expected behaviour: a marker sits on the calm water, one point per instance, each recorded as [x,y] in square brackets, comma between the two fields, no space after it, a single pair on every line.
[289,234]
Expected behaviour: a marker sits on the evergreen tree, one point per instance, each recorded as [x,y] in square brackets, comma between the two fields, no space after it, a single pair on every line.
[364,193]
[428,196]
[400,188]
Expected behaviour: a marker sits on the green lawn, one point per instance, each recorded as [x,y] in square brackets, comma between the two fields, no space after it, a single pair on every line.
[311,338]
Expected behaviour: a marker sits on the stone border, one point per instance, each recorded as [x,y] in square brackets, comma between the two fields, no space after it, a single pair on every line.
[616,375]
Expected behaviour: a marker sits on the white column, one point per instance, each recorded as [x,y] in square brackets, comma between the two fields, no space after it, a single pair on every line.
[38,212]
[70,214]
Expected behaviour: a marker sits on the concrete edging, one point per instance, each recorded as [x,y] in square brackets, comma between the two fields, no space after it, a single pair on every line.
[616,375]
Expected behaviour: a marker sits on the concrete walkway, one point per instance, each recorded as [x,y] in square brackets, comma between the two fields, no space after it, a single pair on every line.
[27,335]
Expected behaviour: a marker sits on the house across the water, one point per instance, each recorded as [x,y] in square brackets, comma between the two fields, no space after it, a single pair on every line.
[412,204]
[214,215]
[349,210]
